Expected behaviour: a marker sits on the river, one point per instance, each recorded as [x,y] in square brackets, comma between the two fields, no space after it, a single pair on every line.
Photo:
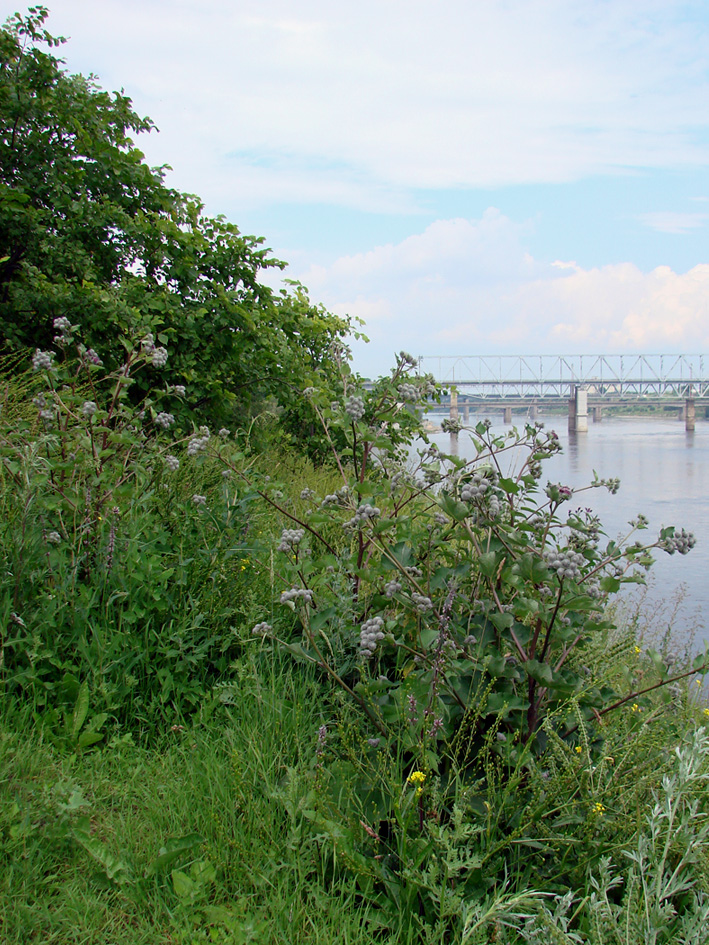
[664,474]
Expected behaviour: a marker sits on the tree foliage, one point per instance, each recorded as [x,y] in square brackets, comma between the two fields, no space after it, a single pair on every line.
[90,232]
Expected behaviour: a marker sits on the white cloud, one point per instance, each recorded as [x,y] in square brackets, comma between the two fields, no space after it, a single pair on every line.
[470,287]
[669,222]
[388,97]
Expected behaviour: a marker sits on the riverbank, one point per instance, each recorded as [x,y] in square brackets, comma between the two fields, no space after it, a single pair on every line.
[268,701]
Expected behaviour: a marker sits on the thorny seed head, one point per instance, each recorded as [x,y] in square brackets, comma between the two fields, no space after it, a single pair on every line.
[391,588]
[558,492]
[408,392]
[262,629]
[42,360]
[290,539]
[92,357]
[297,593]
[196,445]
[681,541]
[475,488]
[54,538]
[62,324]
[567,564]
[423,604]
[363,514]
[451,426]
[612,485]
[164,420]
[88,408]
[172,463]
[354,408]
[159,357]
[199,499]
[407,359]
[370,634]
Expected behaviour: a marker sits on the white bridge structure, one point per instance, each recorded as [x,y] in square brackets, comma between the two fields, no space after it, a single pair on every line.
[586,382]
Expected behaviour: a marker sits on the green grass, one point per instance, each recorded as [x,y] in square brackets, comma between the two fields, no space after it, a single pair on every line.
[239,781]
[236,787]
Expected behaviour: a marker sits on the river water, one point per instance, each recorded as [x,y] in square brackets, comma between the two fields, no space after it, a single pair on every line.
[664,474]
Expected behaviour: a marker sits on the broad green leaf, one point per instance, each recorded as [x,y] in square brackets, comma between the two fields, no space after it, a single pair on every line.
[184,886]
[541,672]
[81,709]
[489,563]
[174,848]
[114,867]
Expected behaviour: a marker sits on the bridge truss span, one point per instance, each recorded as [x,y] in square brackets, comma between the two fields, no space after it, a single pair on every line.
[603,377]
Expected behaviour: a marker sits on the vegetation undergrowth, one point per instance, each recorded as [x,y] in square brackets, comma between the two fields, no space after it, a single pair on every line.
[303,678]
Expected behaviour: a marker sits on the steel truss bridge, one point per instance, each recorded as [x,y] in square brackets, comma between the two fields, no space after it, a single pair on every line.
[605,378]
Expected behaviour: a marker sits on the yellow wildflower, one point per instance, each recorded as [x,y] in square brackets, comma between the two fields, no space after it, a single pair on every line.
[416,777]
[578,749]
[706,712]
[638,650]
[635,707]
[598,808]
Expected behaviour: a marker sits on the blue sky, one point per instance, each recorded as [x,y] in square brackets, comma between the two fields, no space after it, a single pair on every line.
[496,176]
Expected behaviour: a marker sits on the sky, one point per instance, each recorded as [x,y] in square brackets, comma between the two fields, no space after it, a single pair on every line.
[465,176]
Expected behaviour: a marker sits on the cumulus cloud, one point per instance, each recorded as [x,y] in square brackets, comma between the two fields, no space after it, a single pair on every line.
[359,102]
[468,287]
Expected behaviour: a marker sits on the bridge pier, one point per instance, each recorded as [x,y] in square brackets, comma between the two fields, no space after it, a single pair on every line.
[578,411]
[466,414]
[597,413]
[454,405]
[689,415]
[508,415]
[534,410]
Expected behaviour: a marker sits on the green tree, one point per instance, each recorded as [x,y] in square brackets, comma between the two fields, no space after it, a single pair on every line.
[90,232]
